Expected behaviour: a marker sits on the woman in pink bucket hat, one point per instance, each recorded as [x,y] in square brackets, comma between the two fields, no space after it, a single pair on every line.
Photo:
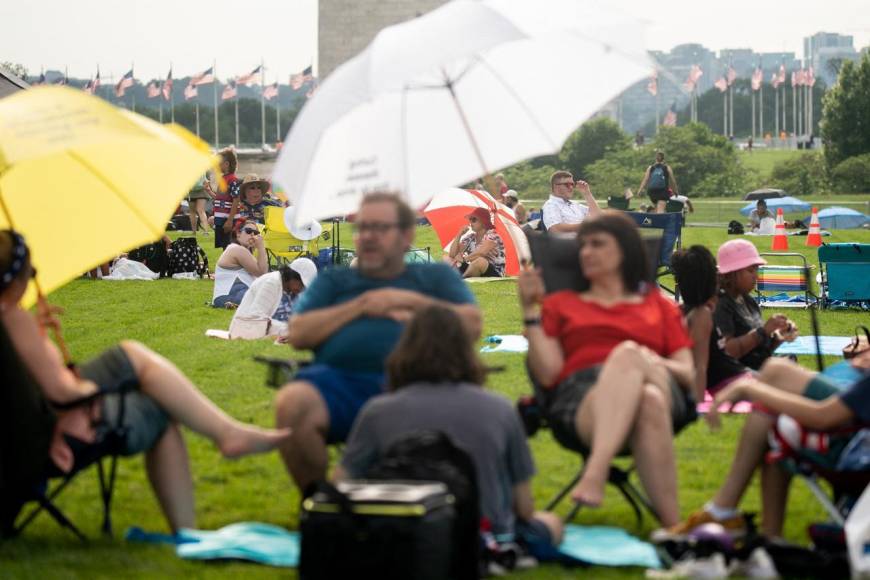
[748,337]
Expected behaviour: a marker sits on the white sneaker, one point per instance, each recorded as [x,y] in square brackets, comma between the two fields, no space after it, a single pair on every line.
[758,565]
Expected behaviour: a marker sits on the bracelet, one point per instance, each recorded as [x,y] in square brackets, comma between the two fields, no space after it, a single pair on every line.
[533,321]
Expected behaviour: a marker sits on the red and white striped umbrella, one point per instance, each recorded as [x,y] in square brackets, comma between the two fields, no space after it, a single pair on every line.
[447,210]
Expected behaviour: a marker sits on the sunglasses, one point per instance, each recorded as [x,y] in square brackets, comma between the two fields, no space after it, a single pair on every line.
[251,231]
[566,184]
[473,220]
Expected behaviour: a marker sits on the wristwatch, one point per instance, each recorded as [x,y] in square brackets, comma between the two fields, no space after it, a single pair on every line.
[532,321]
[765,340]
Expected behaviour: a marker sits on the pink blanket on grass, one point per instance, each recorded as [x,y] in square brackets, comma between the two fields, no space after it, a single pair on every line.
[740,407]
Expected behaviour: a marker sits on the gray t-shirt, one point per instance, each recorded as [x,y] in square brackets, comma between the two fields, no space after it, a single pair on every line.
[482,423]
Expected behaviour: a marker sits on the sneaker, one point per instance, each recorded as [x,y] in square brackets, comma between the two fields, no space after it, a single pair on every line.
[736,526]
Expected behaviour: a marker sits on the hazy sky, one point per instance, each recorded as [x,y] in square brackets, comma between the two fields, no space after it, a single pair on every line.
[191,34]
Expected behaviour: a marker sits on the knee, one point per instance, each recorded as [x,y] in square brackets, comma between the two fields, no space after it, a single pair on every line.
[773,369]
[627,354]
[296,401]
[554,525]
[654,408]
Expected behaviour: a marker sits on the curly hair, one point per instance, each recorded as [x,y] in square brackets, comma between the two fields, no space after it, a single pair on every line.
[434,348]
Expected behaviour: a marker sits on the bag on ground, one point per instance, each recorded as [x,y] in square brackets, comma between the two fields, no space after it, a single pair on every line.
[187,256]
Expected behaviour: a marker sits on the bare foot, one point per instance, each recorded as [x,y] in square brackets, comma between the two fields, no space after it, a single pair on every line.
[247,440]
[589,491]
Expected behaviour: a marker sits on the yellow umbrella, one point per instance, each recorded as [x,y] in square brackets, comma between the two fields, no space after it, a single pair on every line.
[83,180]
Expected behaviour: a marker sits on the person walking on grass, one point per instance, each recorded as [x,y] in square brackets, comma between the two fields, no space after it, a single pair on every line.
[659,182]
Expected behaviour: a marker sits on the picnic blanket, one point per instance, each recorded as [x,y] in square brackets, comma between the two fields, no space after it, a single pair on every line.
[802,345]
[606,546]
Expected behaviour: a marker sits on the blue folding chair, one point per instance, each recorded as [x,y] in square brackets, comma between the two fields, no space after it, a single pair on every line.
[670,226]
[845,270]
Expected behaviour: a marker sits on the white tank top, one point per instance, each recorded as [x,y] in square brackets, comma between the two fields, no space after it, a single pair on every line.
[225,277]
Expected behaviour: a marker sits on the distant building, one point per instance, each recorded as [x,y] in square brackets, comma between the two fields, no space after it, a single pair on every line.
[825,51]
[345,27]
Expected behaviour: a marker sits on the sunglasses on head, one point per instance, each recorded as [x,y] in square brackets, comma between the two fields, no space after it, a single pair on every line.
[251,231]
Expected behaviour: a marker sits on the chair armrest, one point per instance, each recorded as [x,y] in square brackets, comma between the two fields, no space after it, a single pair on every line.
[280,370]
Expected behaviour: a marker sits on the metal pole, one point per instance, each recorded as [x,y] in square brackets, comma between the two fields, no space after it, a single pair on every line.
[784,128]
[215,87]
[277,114]
[794,117]
[657,111]
[753,114]
[761,107]
[237,119]
[731,114]
[262,103]
[725,113]
[776,115]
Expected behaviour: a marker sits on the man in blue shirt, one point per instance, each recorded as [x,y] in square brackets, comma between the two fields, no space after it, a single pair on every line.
[352,318]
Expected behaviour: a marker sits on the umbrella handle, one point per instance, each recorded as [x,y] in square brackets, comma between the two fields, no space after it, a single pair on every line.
[43,305]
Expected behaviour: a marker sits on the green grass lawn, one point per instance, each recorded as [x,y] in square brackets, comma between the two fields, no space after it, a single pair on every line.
[171,316]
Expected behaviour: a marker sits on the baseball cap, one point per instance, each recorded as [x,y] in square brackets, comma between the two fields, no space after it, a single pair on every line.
[306,270]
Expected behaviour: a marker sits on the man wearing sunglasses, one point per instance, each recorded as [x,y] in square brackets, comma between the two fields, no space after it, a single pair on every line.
[352,318]
[559,213]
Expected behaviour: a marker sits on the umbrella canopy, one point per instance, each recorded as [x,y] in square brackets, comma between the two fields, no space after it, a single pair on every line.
[447,210]
[84,181]
[437,101]
[840,218]
[788,204]
[765,193]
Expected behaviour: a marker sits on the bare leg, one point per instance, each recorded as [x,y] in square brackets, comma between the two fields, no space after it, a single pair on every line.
[785,375]
[660,206]
[749,455]
[606,416]
[476,268]
[554,525]
[203,219]
[191,213]
[163,382]
[169,473]
[300,407]
[774,497]
[653,451]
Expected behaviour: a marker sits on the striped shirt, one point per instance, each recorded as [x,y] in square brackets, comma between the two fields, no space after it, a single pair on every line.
[223,201]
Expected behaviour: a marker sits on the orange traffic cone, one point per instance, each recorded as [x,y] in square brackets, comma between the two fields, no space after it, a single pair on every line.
[814,238]
[780,241]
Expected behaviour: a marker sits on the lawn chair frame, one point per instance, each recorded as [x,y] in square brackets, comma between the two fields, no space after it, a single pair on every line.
[776,277]
[837,261]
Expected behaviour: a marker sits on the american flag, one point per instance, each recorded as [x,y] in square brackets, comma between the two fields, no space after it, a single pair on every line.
[670,119]
[40,80]
[757,79]
[811,77]
[92,85]
[270,92]
[694,74]
[230,91]
[190,92]
[167,86]
[203,78]
[774,80]
[153,89]
[731,75]
[299,79]
[652,86]
[781,77]
[250,78]
[721,84]
[125,83]
[795,78]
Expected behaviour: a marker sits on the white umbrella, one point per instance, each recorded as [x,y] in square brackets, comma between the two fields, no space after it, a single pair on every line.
[438,100]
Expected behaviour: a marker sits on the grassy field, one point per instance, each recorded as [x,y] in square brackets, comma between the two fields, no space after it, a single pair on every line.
[170,316]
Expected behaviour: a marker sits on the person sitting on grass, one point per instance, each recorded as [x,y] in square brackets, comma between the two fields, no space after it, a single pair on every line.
[352,318]
[695,273]
[269,302]
[748,338]
[613,361]
[759,213]
[237,268]
[477,249]
[434,376]
[512,200]
[781,387]
[161,400]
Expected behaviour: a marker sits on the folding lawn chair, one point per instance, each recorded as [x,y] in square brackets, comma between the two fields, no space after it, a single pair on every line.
[617,202]
[281,246]
[776,281]
[558,259]
[845,273]
[670,226]
[26,429]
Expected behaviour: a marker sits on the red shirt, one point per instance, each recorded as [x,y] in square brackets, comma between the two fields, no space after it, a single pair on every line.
[588,331]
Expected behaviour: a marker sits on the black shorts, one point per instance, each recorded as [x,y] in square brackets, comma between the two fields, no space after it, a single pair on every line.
[568,395]
[144,420]
[657,195]
[490,272]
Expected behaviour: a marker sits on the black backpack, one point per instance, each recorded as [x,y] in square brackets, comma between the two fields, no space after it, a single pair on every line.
[187,256]
[735,228]
[154,256]
[433,456]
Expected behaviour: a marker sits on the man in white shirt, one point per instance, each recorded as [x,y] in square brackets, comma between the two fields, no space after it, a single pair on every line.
[559,213]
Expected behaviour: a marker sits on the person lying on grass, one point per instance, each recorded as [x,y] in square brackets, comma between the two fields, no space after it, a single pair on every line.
[614,362]
[161,399]
[787,388]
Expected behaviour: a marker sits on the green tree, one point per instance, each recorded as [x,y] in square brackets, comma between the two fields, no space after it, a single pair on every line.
[704,164]
[845,126]
[804,174]
[590,143]
[15,68]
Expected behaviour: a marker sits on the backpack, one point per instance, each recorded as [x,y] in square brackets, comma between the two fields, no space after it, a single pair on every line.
[735,228]
[187,256]
[152,255]
[658,177]
[432,456]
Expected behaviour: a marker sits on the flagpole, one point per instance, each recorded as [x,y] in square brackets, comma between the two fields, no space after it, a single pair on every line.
[171,99]
[731,113]
[236,100]
[215,87]
[784,128]
[753,112]
[725,113]
[277,112]
[262,103]
[160,110]
[761,106]
[794,115]
[657,109]
[776,114]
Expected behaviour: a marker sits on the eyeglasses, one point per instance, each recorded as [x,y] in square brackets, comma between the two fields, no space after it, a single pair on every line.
[251,231]
[379,228]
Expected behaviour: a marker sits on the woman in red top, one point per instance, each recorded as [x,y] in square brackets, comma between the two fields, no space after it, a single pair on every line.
[614,361]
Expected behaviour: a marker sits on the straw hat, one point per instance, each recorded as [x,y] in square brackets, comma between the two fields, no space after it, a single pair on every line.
[252,179]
